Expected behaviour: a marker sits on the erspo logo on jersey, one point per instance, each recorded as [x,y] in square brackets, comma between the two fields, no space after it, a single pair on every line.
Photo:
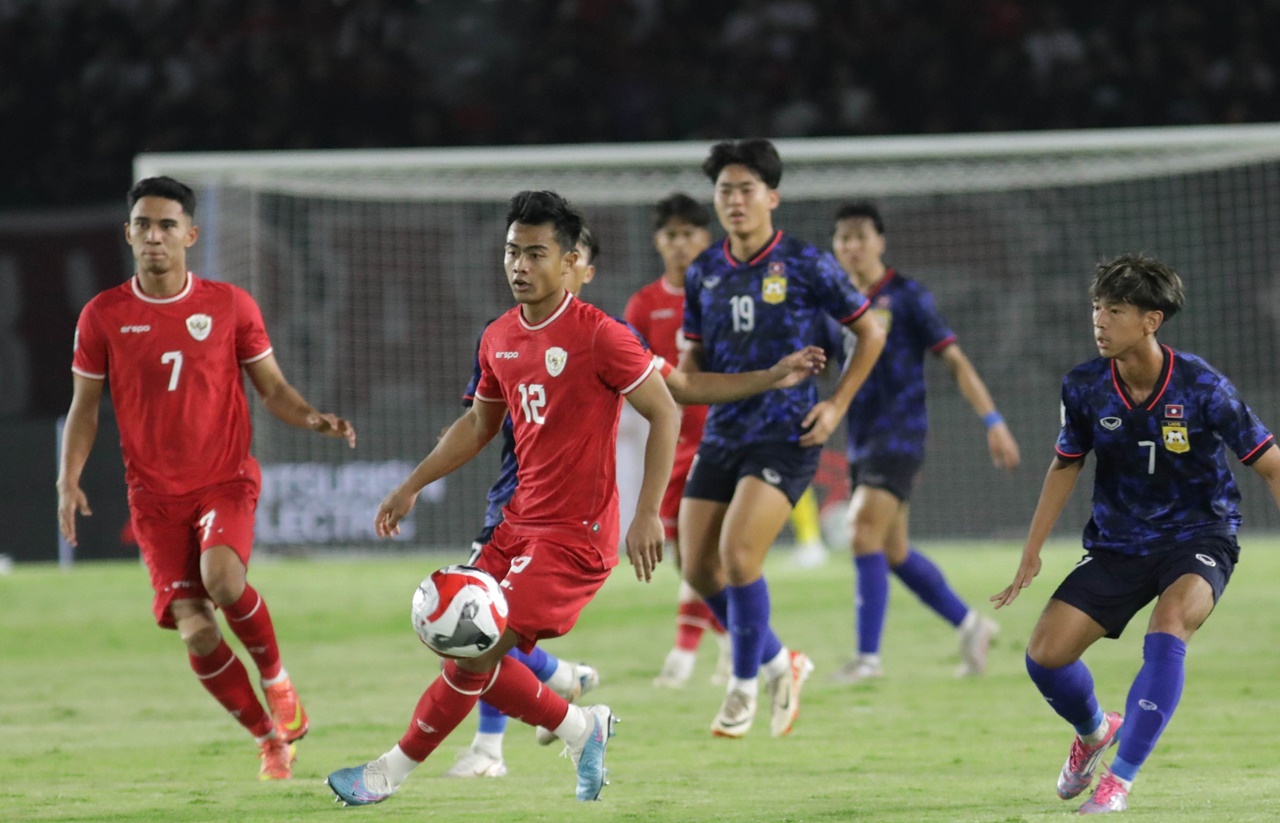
[132,330]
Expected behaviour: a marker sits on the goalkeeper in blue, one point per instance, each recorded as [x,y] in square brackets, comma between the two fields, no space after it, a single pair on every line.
[1164,521]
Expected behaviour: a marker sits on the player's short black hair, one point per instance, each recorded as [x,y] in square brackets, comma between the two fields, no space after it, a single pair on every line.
[1139,281]
[757,154]
[167,188]
[682,207]
[588,240]
[860,210]
[538,208]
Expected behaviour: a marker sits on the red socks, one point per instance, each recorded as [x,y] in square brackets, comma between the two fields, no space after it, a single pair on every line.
[692,619]
[225,677]
[249,619]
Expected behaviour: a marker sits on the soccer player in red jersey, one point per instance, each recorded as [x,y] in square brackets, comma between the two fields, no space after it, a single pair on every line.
[657,311]
[172,346]
[562,368]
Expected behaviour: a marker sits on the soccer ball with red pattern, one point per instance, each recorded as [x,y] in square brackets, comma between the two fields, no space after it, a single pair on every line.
[459,611]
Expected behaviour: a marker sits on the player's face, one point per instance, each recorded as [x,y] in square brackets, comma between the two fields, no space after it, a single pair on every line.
[679,243]
[160,232]
[582,272]
[537,270]
[1119,328]
[857,245]
[743,202]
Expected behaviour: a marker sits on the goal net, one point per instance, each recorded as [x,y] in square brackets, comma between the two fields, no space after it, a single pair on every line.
[376,271]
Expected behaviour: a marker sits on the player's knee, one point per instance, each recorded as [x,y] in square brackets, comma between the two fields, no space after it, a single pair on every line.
[200,637]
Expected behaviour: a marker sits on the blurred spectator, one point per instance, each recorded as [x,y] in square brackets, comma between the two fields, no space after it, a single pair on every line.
[90,83]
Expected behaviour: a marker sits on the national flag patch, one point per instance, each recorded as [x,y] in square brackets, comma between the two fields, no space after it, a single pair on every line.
[1173,412]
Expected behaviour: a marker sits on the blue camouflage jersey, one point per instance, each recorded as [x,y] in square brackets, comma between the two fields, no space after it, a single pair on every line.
[1162,474]
[888,414]
[748,315]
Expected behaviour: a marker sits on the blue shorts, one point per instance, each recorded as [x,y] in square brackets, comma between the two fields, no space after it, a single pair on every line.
[1111,587]
[716,471]
[895,473]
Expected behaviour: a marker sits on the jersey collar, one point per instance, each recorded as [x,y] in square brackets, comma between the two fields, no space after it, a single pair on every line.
[141,295]
[879,285]
[564,305]
[1166,372]
[755,258]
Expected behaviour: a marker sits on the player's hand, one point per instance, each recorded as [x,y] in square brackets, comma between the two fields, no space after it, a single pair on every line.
[393,509]
[1027,571]
[798,366]
[71,501]
[819,423]
[644,544]
[331,425]
[1003,448]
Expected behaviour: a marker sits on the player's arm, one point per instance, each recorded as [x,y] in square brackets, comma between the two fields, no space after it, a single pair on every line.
[645,535]
[287,405]
[1268,466]
[461,442]
[703,388]
[1000,442]
[824,417]
[77,441]
[1055,492]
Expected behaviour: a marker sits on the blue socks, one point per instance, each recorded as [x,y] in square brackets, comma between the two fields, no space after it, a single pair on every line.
[748,626]
[543,665]
[926,581]
[1153,697]
[872,600]
[719,605]
[1069,691]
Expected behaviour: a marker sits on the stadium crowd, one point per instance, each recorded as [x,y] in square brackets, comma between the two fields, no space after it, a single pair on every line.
[101,80]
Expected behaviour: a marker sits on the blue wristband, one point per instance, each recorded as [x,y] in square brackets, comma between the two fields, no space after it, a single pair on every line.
[992,418]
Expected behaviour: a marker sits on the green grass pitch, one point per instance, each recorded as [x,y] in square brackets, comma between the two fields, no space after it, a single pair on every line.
[101,719]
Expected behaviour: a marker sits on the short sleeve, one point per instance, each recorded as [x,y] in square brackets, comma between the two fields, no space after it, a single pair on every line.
[89,347]
[934,332]
[1075,438]
[834,293]
[622,363]
[252,343]
[1232,420]
[487,388]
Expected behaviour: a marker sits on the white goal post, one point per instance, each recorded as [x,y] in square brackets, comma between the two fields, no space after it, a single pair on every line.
[377,269]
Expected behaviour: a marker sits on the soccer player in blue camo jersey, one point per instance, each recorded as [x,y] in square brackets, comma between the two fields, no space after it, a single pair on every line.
[1166,512]
[749,299]
[887,425]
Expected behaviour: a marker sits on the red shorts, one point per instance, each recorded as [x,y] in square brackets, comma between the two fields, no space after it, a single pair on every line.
[670,508]
[547,583]
[174,530]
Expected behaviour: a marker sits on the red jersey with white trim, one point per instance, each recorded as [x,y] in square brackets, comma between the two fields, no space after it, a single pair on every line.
[173,365]
[563,381]
[657,312]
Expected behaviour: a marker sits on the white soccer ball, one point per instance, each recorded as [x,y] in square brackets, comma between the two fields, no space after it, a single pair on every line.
[459,611]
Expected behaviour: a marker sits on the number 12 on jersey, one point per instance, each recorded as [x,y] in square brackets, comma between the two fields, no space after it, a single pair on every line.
[533,399]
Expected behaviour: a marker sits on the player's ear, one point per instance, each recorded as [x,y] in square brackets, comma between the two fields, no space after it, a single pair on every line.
[1154,320]
[192,234]
[774,199]
[570,257]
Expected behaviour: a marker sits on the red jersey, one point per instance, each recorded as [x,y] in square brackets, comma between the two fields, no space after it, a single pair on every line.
[657,312]
[563,382]
[173,365]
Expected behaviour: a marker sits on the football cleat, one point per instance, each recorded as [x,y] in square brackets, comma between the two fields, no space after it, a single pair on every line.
[1110,795]
[473,762]
[974,643]
[1077,772]
[676,670]
[784,694]
[588,754]
[859,670]
[360,785]
[277,757]
[286,710]
[735,716]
